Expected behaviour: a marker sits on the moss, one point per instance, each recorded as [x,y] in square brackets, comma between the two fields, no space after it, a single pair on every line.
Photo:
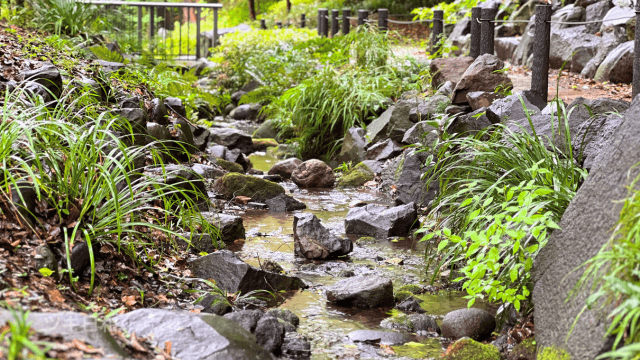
[403,295]
[366,240]
[357,177]
[526,350]
[234,184]
[553,353]
[229,166]
[412,288]
[467,349]
[281,151]
[264,144]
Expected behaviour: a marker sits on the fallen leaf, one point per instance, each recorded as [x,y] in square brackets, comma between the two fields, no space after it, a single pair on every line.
[85,348]
[243,199]
[129,300]
[167,347]
[55,296]
[135,344]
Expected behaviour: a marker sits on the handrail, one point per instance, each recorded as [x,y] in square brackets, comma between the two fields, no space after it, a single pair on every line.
[154,4]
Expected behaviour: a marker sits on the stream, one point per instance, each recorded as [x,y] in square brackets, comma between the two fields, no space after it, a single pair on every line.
[270,236]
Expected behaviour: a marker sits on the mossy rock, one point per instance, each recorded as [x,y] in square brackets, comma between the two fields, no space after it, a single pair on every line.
[553,353]
[467,349]
[229,166]
[403,295]
[264,144]
[366,240]
[282,151]
[526,350]
[412,288]
[357,177]
[234,184]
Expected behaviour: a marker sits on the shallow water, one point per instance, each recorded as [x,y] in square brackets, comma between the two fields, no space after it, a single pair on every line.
[326,325]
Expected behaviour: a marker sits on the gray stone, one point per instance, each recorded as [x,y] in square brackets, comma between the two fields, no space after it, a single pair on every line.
[611,38]
[598,137]
[415,323]
[109,67]
[175,105]
[375,166]
[617,67]
[446,89]
[232,274]
[382,337]
[574,45]
[313,174]
[506,47]
[617,16]
[425,109]
[284,168]
[510,108]
[525,47]
[45,258]
[246,112]
[238,157]
[392,124]
[93,88]
[284,203]
[231,226]
[232,139]
[404,174]
[296,346]
[193,336]
[569,13]
[366,291]
[183,178]
[482,99]
[267,130]
[247,319]
[48,76]
[380,221]
[595,12]
[185,136]
[470,124]
[353,146]
[207,171]
[473,323]
[410,305]
[420,133]
[458,109]
[286,315]
[236,96]
[269,333]
[157,132]
[160,114]
[218,151]
[448,69]
[203,242]
[215,304]
[200,137]
[383,150]
[314,241]
[462,27]
[483,75]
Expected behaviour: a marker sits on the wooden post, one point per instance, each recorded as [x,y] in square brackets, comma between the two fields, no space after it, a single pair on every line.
[362,17]
[303,21]
[324,22]
[263,24]
[636,55]
[140,26]
[487,29]
[383,16]
[198,52]
[540,66]
[437,29]
[215,27]
[335,26]
[346,23]
[474,50]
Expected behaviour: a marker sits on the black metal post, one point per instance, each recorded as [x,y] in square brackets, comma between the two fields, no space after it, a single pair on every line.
[541,45]
[263,24]
[362,16]
[346,23]
[383,16]
[487,29]
[474,49]
[152,20]
[140,26]
[303,21]
[437,29]
[319,22]
[324,21]
[198,33]
[636,55]
[215,27]
[335,26]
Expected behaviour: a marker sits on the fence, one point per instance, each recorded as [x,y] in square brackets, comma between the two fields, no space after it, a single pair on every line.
[482,37]
[161,31]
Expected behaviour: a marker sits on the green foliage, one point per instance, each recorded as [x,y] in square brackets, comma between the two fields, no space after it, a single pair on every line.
[499,199]
[553,353]
[468,349]
[67,17]
[15,343]
[107,55]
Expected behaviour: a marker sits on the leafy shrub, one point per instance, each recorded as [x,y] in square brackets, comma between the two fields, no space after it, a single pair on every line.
[67,17]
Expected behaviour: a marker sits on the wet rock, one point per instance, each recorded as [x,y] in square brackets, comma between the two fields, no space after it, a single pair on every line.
[510,108]
[45,258]
[71,326]
[247,319]
[286,315]
[185,136]
[207,171]
[482,75]
[473,323]
[367,291]
[595,12]
[449,69]
[159,111]
[358,176]
[284,203]
[269,333]
[250,303]
[379,337]
[314,241]
[313,174]
[232,139]
[230,166]
[418,323]
[404,173]
[296,346]
[392,124]
[48,76]
[381,221]
[272,178]
[193,336]
[200,137]
[217,151]
[229,108]
[470,124]
[410,305]
[215,304]
[466,348]
[353,146]
[267,130]
[480,99]
[617,67]
[234,184]
[264,144]
[231,226]
[284,168]
[201,241]
[175,105]
[574,46]
[80,257]
[236,156]
[383,150]
[236,96]
[506,47]
[346,273]
[246,112]
[232,274]
[157,132]
[375,166]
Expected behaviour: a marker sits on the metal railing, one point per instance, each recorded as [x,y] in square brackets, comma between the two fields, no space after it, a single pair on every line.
[163,38]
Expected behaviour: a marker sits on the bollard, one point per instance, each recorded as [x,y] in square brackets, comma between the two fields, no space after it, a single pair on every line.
[636,55]
[474,50]
[335,26]
[540,66]
[324,13]
[383,16]
[303,21]
[362,17]
[279,24]
[346,23]
[487,31]
[437,29]
[263,24]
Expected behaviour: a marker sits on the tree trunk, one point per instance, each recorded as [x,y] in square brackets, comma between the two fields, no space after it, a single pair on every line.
[252,10]
[288,6]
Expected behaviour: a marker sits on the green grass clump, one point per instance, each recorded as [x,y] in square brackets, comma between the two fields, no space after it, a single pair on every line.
[233,184]
[229,166]
[553,353]
[358,176]
[412,288]
[468,349]
[264,144]
[402,295]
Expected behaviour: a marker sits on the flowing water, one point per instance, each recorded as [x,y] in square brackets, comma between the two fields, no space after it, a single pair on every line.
[326,325]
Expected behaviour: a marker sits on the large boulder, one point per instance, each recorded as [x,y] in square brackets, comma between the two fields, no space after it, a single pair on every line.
[234,184]
[313,174]
[599,133]
[404,176]
[247,319]
[392,124]
[284,203]
[617,16]
[232,274]
[470,124]
[381,221]
[617,67]
[285,168]
[483,75]
[232,139]
[383,150]
[314,241]
[595,12]
[420,133]
[482,99]
[353,145]
[573,46]
[48,76]
[246,112]
[473,323]
[611,38]
[366,291]
[587,225]
[567,14]
[424,109]
[269,333]
[193,336]
[448,69]
[231,227]
[510,108]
